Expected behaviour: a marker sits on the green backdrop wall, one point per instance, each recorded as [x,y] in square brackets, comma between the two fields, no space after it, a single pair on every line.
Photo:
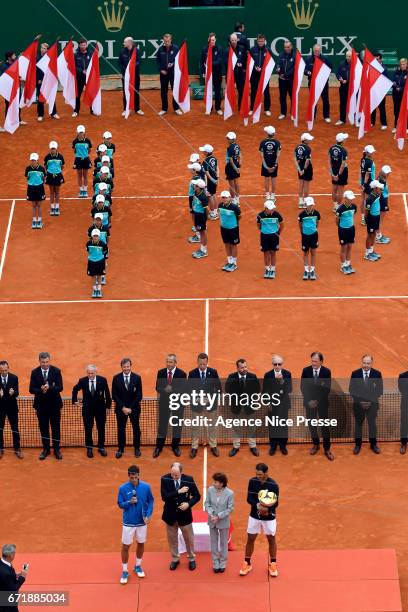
[335,24]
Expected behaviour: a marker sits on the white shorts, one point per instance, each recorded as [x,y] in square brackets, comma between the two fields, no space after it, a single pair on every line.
[256,526]
[134,533]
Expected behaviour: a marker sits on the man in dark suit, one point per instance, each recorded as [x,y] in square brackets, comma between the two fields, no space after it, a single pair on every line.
[403,389]
[46,386]
[127,394]
[96,401]
[170,379]
[242,384]
[317,52]
[124,59]
[278,381]
[179,493]
[9,407]
[9,580]
[315,387]
[204,378]
[366,388]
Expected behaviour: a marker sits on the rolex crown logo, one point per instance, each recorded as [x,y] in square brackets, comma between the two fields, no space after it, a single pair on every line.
[113,17]
[302,15]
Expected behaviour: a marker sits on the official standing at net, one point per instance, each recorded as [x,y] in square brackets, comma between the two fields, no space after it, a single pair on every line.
[9,407]
[179,493]
[127,394]
[278,381]
[403,389]
[46,386]
[96,401]
[366,388]
[315,387]
[165,58]
[285,70]
[124,59]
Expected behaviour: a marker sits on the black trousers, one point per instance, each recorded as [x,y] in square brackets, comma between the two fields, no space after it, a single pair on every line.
[81,78]
[40,105]
[383,113]
[278,435]
[90,416]
[255,76]
[217,83]
[239,77]
[163,424]
[121,421]
[135,93]
[12,416]
[404,421]
[397,99]
[285,90]
[165,81]
[50,416]
[343,94]
[325,101]
[6,105]
[360,414]
[320,412]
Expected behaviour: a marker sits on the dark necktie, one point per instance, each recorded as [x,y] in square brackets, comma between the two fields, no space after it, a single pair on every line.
[169,377]
[177,483]
[315,376]
[127,382]
[202,377]
[45,375]
[4,381]
[365,378]
[92,388]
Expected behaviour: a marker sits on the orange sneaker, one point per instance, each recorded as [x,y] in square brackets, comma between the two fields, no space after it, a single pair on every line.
[245,569]
[273,570]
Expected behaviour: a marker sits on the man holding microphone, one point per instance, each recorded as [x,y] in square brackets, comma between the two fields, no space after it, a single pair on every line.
[136,500]
[10,581]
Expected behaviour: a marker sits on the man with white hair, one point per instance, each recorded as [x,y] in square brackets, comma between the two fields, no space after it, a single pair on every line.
[285,70]
[278,381]
[95,403]
[372,219]
[241,53]
[270,149]
[10,582]
[317,52]
[343,76]
[124,59]
[345,215]
[229,225]
[338,169]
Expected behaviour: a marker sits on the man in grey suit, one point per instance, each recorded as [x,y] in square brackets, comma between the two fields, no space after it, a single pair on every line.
[219,504]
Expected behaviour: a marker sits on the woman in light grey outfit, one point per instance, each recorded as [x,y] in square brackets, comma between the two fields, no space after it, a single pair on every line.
[219,504]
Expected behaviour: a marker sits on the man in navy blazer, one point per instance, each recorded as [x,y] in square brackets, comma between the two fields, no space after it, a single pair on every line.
[96,401]
[204,378]
[366,388]
[46,386]
[170,379]
[127,394]
[9,407]
[278,381]
[403,389]
[315,385]
[10,581]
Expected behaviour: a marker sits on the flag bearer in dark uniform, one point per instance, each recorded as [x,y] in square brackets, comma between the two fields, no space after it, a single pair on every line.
[9,407]
[82,57]
[382,107]
[270,149]
[345,215]
[258,52]
[39,77]
[35,175]
[54,164]
[165,58]
[343,76]
[241,53]
[285,70]
[96,401]
[399,79]
[317,52]
[338,169]
[124,59]
[217,60]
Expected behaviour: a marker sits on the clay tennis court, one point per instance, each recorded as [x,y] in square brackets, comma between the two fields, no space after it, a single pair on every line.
[159,299]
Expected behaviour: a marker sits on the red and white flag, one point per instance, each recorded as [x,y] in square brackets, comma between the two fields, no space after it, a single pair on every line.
[67,73]
[356,69]
[266,73]
[401,133]
[49,85]
[230,98]
[181,87]
[10,90]
[244,111]
[208,92]
[27,67]
[130,83]
[369,60]
[92,95]
[297,83]
[320,76]
[377,88]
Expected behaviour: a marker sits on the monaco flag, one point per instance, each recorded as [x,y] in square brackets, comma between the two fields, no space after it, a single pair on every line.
[266,73]
[130,83]
[208,92]
[230,99]
[49,85]
[320,76]
[245,94]
[66,73]
[376,89]
[27,70]
[369,60]
[9,89]
[92,96]
[297,82]
[181,89]
[401,133]
[356,70]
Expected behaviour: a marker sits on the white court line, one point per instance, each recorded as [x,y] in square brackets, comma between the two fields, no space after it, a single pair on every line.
[6,238]
[291,298]
[207,325]
[404,195]
[205,456]
[173,197]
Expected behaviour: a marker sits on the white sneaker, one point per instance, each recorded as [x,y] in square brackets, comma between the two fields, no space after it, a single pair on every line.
[2,129]
[208,112]
[281,116]
[219,112]
[55,116]
[74,114]
[40,118]
[123,114]
[394,130]
[179,111]
[268,113]
[339,122]
[139,112]
[327,120]
[251,112]
[162,112]
[23,122]
[384,127]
